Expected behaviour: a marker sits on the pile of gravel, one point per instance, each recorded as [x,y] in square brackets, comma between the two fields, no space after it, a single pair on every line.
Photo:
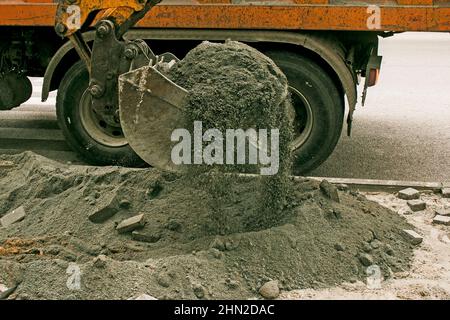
[323,242]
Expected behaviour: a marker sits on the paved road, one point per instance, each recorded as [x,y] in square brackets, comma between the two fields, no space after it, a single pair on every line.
[403,132]
[33,127]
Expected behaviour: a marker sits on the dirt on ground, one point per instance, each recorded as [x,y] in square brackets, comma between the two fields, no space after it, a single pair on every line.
[429,275]
[204,234]
[323,243]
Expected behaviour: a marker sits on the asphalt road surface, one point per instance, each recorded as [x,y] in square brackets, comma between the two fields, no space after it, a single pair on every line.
[403,132]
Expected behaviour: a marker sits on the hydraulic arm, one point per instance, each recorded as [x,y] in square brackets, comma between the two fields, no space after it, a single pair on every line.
[127,88]
[72,16]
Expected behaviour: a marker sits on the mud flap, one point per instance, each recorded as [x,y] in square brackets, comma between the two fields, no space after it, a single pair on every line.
[15,89]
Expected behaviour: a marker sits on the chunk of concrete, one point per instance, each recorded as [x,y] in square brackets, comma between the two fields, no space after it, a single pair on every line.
[445,192]
[109,207]
[417,205]
[329,190]
[412,237]
[270,290]
[442,220]
[131,224]
[408,194]
[144,297]
[13,217]
[442,212]
[6,293]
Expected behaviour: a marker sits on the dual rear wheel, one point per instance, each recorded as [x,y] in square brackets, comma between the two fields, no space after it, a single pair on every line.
[318,104]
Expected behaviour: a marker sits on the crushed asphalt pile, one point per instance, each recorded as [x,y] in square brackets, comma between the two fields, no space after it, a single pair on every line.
[80,232]
[170,251]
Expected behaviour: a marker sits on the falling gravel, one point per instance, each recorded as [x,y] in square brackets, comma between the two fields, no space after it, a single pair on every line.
[322,243]
[233,86]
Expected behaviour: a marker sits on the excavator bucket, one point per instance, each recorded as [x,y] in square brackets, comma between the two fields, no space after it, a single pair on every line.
[151,107]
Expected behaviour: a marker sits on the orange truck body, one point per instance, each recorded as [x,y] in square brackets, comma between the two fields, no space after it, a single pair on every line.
[344,15]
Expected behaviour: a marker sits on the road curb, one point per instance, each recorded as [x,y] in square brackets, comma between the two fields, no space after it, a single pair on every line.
[381,185]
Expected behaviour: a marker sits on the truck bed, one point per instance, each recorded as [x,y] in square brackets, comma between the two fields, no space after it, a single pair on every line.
[345,15]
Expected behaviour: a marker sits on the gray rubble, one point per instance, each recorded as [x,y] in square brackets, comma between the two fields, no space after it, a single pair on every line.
[131,224]
[408,194]
[108,209]
[270,290]
[13,217]
[444,220]
[442,211]
[412,236]
[416,205]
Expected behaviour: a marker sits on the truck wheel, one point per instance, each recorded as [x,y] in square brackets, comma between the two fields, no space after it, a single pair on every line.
[319,110]
[84,130]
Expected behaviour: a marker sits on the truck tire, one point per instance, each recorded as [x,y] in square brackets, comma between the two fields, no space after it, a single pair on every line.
[85,132]
[319,110]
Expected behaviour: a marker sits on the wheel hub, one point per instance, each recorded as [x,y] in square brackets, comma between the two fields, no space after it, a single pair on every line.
[304,118]
[104,131]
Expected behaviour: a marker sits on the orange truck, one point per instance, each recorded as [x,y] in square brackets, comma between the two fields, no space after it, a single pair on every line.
[325,48]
